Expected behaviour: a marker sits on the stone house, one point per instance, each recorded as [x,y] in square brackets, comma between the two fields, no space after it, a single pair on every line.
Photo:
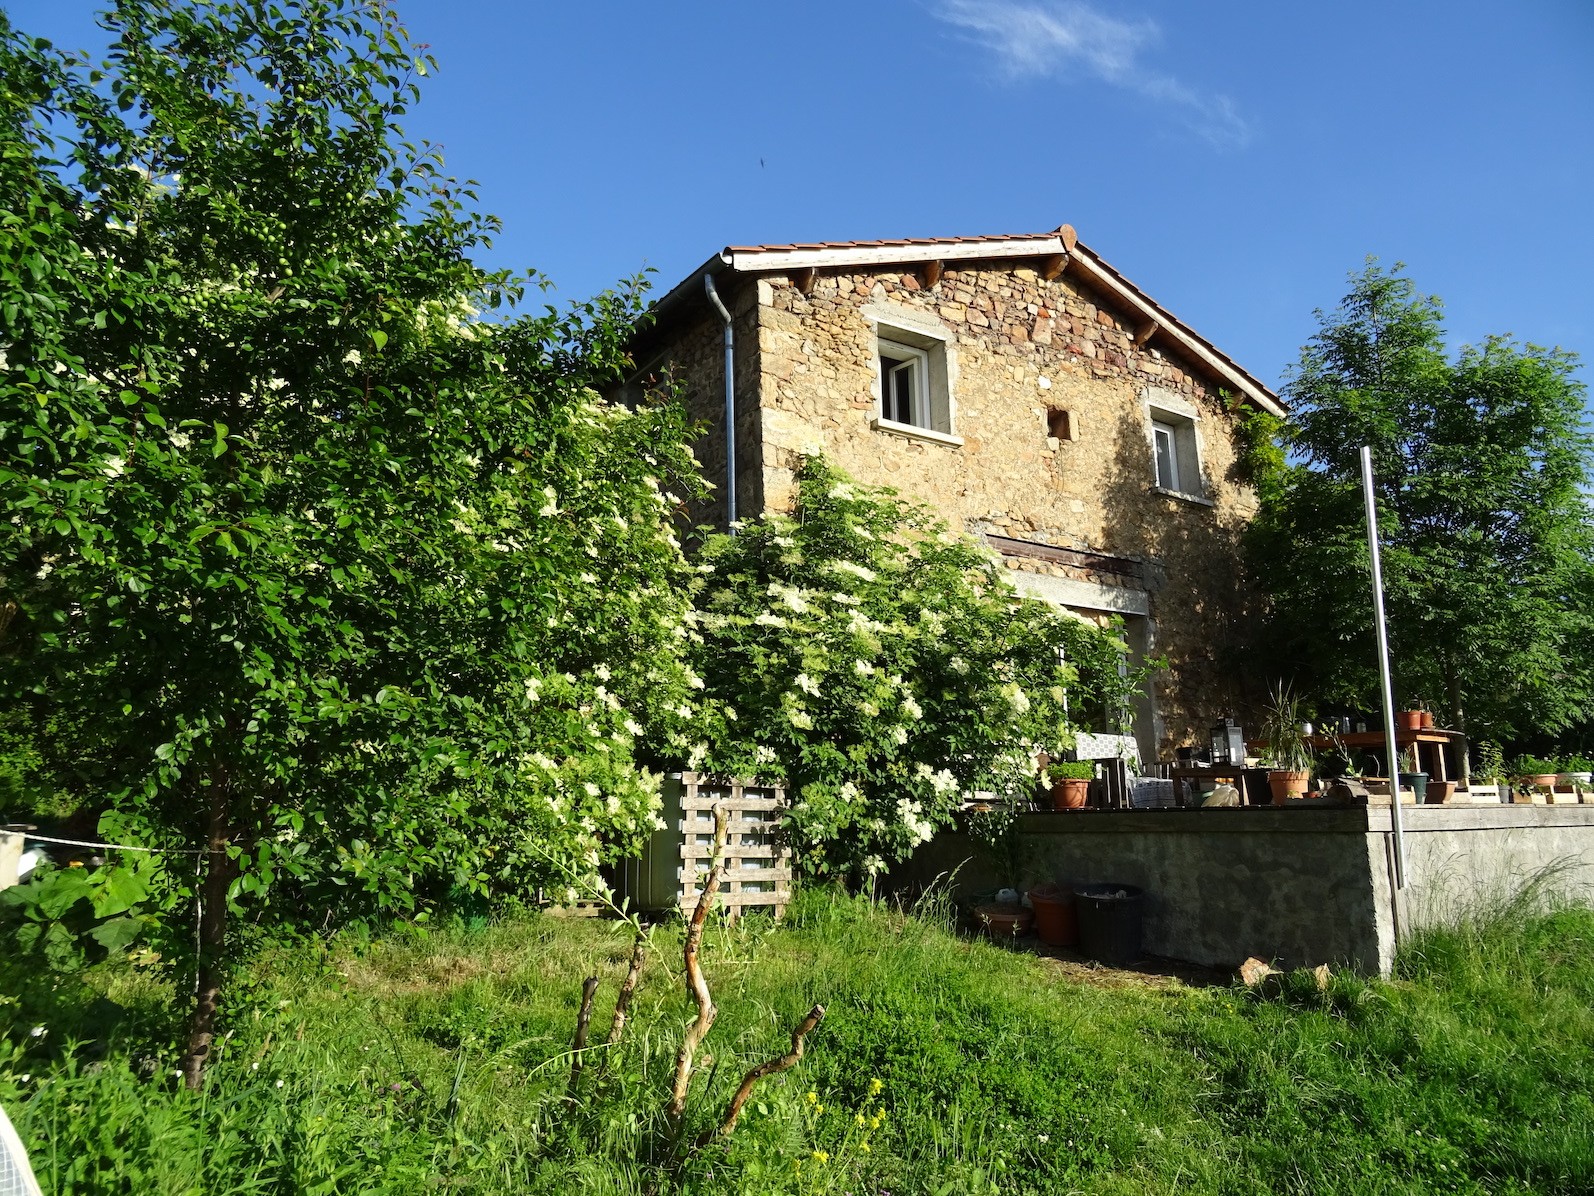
[1021,387]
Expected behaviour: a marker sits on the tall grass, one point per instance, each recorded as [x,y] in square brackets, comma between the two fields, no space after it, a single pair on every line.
[440,1060]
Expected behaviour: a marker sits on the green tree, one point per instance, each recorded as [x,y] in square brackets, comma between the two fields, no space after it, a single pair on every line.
[1481,460]
[364,596]
[884,666]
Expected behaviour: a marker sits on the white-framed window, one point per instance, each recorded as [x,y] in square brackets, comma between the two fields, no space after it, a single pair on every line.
[905,384]
[1173,433]
[1165,450]
[915,374]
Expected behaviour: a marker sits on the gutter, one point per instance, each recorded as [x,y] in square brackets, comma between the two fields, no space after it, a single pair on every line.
[730,402]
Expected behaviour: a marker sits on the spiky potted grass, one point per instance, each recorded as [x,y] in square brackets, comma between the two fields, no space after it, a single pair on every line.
[1288,757]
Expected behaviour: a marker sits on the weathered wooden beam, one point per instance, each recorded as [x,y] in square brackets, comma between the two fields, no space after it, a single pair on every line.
[932,273]
[1053,266]
[1069,237]
[1145,332]
[803,279]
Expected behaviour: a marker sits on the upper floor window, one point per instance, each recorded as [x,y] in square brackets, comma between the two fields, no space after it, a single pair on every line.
[1166,447]
[1173,427]
[915,370]
[905,384]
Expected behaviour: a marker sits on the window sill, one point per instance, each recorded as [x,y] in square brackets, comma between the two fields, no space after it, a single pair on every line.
[914,432]
[1197,499]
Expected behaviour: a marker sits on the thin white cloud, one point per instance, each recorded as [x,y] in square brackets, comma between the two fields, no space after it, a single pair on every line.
[1066,38]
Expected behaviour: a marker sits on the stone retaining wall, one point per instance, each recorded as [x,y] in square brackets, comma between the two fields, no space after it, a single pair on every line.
[1300,887]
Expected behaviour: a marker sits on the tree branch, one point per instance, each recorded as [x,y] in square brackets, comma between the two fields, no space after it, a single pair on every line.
[696,985]
[772,1067]
[589,989]
[622,1003]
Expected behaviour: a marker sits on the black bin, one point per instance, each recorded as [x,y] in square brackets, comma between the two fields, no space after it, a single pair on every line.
[1109,922]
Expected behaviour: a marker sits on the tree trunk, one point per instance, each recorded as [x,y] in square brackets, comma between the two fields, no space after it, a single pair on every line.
[212,932]
[1458,719]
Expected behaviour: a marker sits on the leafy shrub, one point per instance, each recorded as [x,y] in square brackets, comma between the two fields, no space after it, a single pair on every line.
[885,666]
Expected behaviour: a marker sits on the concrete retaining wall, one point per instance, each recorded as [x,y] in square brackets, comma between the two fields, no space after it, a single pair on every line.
[1299,886]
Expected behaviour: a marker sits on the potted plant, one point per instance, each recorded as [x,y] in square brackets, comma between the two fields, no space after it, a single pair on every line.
[1411,778]
[1070,783]
[1491,767]
[1288,757]
[1574,772]
[1530,770]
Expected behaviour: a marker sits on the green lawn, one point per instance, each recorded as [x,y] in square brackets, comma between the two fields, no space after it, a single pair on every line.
[434,1061]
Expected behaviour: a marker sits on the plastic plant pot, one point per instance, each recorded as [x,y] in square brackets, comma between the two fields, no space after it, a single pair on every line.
[1056,922]
[1109,922]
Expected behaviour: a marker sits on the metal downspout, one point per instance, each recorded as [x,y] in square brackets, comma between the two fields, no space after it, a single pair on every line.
[730,404]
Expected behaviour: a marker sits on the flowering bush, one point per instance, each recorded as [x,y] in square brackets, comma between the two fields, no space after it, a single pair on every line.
[359,597]
[884,666]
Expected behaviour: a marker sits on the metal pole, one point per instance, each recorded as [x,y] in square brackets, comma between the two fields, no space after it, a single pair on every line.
[1383,668]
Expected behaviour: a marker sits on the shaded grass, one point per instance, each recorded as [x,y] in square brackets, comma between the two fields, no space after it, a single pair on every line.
[439,1059]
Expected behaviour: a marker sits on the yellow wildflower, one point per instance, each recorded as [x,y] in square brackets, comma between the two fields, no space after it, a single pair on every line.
[875,1086]
[821,1156]
[864,1146]
[812,1096]
[860,1118]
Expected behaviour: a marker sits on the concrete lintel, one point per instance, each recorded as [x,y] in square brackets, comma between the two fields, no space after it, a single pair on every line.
[1086,595]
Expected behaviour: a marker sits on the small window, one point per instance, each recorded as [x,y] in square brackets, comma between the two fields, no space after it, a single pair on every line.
[914,368]
[1059,423]
[905,385]
[1176,452]
[1165,440]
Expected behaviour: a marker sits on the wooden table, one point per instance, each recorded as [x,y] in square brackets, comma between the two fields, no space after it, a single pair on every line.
[1181,774]
[1433,739]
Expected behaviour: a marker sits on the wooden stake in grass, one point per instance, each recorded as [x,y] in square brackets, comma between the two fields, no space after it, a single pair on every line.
[622,1003]
[696,985]
[589,989]
[773,1066]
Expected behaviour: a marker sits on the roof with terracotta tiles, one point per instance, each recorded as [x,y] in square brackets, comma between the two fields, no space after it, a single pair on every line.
[1096,273]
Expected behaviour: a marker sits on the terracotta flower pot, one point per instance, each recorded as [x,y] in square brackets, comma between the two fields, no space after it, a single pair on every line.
[1408,720]
[1070,794]
[1426,723]
[1056,922]
[1439,792]
[1286,783]
[1003,921]
[1539,780]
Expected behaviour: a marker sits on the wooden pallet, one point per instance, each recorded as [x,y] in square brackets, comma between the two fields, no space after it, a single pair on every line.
[757,859]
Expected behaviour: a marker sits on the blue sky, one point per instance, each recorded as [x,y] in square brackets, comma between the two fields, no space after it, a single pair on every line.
[1235,160]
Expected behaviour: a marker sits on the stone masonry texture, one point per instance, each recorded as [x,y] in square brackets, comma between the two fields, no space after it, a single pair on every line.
[1023,345]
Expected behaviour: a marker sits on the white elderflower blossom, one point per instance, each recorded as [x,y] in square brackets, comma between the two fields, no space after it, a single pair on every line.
[352,357]
[633,727]
[765,619]
[114,467]
[863,668]
[856,570]
[533,689]
[900,734]
[1016,697]
[807,684]
[909,812]
[180,440]
[601,672]
[801,719]
[551,507]
[912,708]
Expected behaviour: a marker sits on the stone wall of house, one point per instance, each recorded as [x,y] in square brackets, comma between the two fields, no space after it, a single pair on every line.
[1022,344]
[690,355]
